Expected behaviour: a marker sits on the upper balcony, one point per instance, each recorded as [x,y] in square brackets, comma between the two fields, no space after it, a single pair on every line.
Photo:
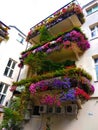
[62,20]
[3,32]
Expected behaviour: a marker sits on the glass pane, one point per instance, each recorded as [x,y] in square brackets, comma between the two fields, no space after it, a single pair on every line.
[2,99]
[96,67]
[1,86]
[93,33]
[5,89]
[97,28]
[95,8]
[6,71]
[96,60]
[13,65]
[89,11]
[9,62]
[11,72]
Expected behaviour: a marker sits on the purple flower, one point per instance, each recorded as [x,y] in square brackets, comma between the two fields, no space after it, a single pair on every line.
[70,95]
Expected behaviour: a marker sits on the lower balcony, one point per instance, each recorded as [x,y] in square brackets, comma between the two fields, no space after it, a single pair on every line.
[57,88]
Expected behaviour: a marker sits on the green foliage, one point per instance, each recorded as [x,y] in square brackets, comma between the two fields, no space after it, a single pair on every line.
[44,35]
[12,116]
[35,61]
[40,64]
[70,72]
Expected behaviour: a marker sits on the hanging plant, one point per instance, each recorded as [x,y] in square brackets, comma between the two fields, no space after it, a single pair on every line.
[44,35]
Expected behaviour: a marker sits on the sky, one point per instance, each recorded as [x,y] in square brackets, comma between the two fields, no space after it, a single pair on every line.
[26,13]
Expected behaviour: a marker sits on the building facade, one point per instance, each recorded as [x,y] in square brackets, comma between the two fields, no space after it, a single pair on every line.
[60,84]
[9,56]
[88,115]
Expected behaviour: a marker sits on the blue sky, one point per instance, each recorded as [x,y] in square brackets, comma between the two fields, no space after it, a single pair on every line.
[26,13]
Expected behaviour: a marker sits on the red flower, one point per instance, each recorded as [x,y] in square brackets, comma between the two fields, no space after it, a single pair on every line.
[82,92]
[44,88]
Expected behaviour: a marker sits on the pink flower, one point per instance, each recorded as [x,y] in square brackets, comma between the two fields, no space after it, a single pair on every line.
[32,88]
[67,43]
[13,88]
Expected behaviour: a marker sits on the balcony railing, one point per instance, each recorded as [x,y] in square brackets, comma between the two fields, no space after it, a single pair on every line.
[69,14]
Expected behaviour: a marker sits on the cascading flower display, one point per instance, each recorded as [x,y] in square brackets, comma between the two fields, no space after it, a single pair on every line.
[50,100]
[61,89]
[66,40]
[52,84]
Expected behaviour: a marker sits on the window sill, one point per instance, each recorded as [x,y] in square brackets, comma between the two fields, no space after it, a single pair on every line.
[96,81]
[93,38]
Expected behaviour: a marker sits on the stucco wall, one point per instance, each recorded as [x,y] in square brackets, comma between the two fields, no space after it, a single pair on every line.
[87,119]
[11,49]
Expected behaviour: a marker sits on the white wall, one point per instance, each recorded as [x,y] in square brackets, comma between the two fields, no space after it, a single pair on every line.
[87,119]
[11,49]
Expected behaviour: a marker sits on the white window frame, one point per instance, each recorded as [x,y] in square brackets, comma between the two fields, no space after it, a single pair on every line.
[94,31]
[92,9]
[96,64]
[3,92]
[10,68]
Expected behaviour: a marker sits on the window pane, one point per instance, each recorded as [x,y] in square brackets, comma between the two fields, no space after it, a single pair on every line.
[5,89]
[2,99]
[89,11]
[6,71]
[11,72]
[13,65]
[9,62]
[96,67]
[96,60]
[95,8]
[1,86]
[93,33]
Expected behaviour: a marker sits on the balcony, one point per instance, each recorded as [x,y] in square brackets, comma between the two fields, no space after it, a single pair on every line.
[3,32]
[62,20]
[69,45]
[60,87]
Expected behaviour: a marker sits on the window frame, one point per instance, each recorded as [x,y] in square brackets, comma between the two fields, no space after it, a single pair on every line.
[96,70]
[94,30]
[92,9]
[3,92]
[10,68]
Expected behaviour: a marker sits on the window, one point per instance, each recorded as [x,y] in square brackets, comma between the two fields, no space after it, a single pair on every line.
[20,38]
[94,31]
[36,110]
[3,91]
[96,67]
[92,9]
[9,68]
